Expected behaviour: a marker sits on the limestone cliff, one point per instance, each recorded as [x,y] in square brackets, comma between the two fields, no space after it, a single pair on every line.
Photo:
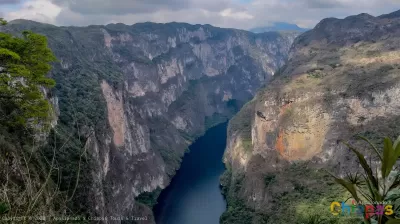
[342,78]
[133,98]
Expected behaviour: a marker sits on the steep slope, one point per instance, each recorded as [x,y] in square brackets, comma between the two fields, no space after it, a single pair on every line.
[132,98]
[342,79]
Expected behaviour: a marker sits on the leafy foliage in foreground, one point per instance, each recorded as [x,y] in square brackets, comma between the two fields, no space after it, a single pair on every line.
[373,186]
[26,169]
[24,62]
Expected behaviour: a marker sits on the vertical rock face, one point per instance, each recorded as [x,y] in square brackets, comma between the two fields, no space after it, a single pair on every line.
[342,78]
[115,110]
[143,93]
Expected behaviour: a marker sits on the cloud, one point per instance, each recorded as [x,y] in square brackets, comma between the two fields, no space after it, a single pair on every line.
[307,13]
[235,14]
[123,7]
[118,7]
[38,10]
[216,12]
[324,4]
[6,2]
[242,14]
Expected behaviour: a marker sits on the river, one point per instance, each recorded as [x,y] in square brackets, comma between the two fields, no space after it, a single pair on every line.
[194,195]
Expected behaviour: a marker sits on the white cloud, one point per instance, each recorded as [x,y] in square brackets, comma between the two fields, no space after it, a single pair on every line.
[223,13]
[235,14]
[38,10]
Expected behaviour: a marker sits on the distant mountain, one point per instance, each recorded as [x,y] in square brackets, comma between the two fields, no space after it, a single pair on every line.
[392,15]
[278,26]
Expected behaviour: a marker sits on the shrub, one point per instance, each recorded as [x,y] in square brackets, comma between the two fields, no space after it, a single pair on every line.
[370,185]
[149,198]
[24,62]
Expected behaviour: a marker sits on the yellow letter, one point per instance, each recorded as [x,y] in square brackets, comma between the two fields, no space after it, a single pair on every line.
[389,210]
[333,208]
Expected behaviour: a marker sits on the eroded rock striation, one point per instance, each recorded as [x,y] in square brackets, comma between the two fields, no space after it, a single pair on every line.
[342,78]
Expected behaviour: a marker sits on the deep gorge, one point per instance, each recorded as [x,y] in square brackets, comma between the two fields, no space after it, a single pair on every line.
[194,195]
[131,99]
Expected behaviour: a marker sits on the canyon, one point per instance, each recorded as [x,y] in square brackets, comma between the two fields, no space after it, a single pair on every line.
[131,99]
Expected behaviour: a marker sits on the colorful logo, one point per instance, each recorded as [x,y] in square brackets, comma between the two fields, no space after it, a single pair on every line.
[366,210]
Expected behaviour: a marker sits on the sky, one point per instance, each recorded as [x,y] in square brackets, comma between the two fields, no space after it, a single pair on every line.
[240,14]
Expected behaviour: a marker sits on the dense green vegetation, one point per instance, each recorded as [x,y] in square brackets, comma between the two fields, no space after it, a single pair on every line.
[237,212]
[25,116]
[24,63]
[313,191]
[308,202]
[47,177]
[149,198]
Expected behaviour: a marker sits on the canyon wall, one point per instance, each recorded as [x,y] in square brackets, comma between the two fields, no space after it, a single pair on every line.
[133,98]
[342,79]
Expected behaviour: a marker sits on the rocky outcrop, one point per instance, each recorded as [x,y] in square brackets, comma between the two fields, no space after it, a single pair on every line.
[138,95]
[342,79]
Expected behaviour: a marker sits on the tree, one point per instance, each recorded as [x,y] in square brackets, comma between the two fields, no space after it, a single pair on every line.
[373,185]
[3,22]
[24,63]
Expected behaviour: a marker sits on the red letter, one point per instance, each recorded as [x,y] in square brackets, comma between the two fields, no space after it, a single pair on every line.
[369,211]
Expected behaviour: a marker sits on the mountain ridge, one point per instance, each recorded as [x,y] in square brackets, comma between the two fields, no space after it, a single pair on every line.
[342,79]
